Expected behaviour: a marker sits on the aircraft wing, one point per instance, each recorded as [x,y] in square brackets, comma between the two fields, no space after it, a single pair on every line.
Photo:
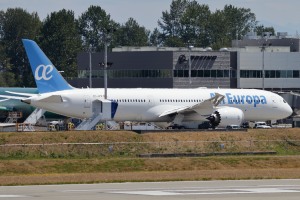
[204,108]
[6,97]
[22,94]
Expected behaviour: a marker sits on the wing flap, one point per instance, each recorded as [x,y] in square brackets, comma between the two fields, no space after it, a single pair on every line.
[204,108]
[176,110]
[52,99]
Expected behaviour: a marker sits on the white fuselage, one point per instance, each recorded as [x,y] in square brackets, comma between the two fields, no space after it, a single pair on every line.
[147,104]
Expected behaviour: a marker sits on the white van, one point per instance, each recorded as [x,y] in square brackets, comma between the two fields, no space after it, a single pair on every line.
[261,125]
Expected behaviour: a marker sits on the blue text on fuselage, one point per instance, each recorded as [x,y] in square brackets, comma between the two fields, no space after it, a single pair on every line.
[243,99]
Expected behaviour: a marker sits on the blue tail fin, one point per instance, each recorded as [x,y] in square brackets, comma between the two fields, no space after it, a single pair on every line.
[46,76]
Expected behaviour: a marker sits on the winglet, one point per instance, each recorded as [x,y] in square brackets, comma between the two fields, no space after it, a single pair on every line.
[46,76]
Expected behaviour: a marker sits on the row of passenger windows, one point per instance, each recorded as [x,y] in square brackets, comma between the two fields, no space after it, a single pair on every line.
[180,100]
[177,100]
[248,101]
[161,100]
[128,100]
[270,74]
[201,100]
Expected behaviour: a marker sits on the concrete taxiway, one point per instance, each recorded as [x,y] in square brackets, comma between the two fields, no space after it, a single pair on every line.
[245,190]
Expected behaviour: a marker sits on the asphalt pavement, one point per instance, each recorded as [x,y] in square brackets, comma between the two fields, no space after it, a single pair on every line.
[233,190]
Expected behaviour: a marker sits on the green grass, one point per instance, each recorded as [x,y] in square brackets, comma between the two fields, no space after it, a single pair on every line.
[112,165]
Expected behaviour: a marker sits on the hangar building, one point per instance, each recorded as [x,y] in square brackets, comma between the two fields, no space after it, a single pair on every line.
[151,67]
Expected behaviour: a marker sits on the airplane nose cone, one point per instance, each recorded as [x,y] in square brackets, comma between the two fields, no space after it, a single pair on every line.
[290,111]
[287,111]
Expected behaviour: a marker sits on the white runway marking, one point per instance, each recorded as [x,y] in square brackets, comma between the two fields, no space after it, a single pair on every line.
[150,193]
[11,196]
[203,191]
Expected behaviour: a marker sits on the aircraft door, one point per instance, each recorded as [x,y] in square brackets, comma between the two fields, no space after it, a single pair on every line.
[87,101]
[97,106]
[87,111]
[150,100]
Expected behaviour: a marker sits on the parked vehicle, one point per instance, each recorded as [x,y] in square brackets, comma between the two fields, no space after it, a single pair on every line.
[261,125]
[231,127]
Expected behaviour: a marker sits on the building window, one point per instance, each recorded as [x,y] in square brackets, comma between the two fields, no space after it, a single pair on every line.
[207,73]
[128,73]
[220,73]
[295,74]
[289,73]
[213,73]
[270,74]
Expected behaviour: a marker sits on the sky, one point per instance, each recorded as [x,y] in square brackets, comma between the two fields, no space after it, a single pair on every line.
[283,15]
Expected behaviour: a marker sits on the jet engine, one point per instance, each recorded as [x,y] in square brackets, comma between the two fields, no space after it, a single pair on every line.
[225,116]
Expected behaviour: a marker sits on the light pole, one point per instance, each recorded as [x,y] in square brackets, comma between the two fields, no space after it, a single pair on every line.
[190,64]
[105,67]
[263,48]
[90,65]
[230,76]
[107,39]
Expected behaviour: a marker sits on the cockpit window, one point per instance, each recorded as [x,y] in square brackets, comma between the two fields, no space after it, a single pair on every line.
[284,101]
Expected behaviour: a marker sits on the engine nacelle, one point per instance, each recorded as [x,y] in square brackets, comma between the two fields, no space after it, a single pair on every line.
[225,116]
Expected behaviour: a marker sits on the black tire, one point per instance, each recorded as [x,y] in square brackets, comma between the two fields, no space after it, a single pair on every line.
[57,127]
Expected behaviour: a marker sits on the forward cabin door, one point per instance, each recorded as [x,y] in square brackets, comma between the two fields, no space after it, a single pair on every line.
[87,105]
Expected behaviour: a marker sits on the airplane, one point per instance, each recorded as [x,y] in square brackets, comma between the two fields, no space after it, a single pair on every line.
[12,105]
[15,105]
[220,107]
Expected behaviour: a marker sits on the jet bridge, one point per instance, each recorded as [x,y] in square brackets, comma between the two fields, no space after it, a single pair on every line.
[293,99]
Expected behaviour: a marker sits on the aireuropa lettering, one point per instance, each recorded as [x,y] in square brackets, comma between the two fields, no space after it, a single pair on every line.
[243,99]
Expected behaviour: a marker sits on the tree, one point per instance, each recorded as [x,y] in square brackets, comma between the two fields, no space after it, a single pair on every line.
[156,38]
[239,21]
[17,24]
[218,29]
[195,24]
[170,23]
[132,34]
[261,29]
[191,22]
[7,78]
[94,24]
[229,24]
[60,40]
